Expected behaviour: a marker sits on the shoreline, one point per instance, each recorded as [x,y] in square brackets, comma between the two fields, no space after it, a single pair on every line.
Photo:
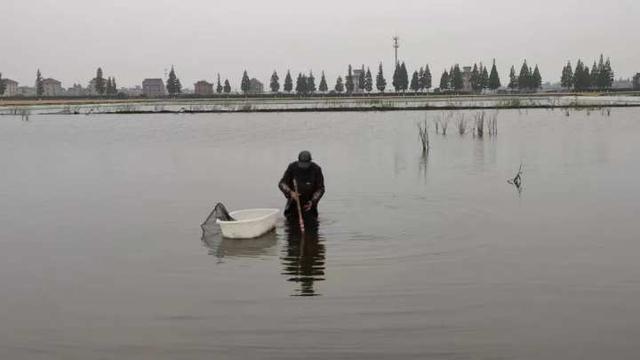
[316,104]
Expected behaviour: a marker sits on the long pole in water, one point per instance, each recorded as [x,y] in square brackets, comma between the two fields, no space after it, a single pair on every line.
[300,219]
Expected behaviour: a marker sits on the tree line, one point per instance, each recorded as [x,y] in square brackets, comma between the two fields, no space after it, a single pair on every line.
[476,78]
[529,79]
[600,77]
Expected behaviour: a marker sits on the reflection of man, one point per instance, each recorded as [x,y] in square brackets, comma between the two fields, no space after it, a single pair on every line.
[310,180]
[304,258]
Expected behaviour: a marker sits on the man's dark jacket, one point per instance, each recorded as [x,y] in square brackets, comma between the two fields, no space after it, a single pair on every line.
[310,186]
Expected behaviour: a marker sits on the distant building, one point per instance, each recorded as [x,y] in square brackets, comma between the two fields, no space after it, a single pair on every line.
[622,84]
[357,74]
[11,87]
[548,86]
[203,88]
[91,88]
[77,90]
[26,91]
[52,87]
[153,88]
[255,86]
[132,92]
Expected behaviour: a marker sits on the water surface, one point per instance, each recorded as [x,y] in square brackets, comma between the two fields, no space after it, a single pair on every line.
[415,257]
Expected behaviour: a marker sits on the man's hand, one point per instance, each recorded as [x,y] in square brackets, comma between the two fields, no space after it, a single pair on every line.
[308,206]
[294,195]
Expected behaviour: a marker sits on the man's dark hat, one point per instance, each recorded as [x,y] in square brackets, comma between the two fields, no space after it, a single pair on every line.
[304,159]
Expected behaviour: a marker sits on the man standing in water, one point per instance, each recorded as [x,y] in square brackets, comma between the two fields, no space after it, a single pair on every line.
[310,180]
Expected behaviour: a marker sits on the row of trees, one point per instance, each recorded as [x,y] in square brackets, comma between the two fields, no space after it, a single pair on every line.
[305,84]
[479,78]
[420,80]
[636,82]
[529,78]
[600,77]
[365,82]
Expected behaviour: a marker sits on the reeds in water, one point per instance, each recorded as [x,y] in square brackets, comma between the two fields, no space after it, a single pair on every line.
[423,134]
[462,124]
[478,124]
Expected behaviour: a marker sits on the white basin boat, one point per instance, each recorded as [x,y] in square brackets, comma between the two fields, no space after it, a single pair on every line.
[249,224]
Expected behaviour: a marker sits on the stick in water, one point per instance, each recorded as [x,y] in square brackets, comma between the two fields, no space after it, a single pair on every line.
[300,219]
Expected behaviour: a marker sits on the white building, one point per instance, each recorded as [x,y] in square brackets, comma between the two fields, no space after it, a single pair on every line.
[52,87]
[26,91]
[153,88]
[11,87]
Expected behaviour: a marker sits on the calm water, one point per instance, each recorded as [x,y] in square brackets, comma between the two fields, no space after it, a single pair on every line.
[101,254]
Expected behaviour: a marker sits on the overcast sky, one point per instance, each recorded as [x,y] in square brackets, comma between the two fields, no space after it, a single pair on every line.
[135,39]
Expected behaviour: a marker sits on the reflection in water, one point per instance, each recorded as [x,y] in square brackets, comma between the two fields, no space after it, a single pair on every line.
[221,247]
[303,257]
[424,165]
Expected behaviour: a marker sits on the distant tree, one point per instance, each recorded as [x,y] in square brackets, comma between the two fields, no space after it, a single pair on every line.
[275,82]
[415,82]
[311,83]
[636,81]
[397,78]
[361,80]
[494,78]
[607,75]
[219,87]
[350,85]
[420,79]
[596,82]
[101,86]
[586,78]
[339,85]
[580,79]
[3,85]
[288,82]
[426,78]
[368,81]
[566,80]
[39,84]
[476,79]
[457,82]
[381,83]
[536,79]
[245,85]
[513,79]
[323,84]
[114,86]
[108,87]
[404,77]
[227,86]
[484,77]
[301,84]
[524,79]
[173,83]
[444,80]
[598,74]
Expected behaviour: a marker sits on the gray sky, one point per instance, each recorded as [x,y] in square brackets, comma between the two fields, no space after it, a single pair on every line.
[134,39]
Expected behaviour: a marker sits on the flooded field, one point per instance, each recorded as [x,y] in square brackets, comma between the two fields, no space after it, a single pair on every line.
[415,257]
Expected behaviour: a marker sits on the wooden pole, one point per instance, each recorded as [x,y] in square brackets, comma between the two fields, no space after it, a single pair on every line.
[300,218]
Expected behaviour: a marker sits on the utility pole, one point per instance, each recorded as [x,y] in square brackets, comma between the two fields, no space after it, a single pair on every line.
[396,45]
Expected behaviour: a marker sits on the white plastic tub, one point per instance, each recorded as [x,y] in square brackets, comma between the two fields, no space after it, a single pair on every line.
[249,224]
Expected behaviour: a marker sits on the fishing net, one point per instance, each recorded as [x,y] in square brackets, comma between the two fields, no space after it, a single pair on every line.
[210,229]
